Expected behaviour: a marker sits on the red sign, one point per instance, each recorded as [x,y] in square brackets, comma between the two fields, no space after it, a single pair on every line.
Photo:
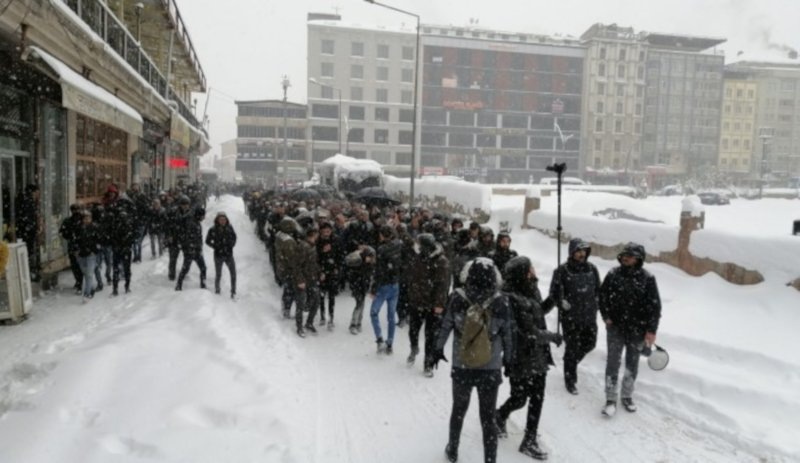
[178,163]
[468,105]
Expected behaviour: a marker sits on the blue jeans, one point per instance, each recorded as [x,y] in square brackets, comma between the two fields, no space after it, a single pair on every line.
[87,265]
[389,294]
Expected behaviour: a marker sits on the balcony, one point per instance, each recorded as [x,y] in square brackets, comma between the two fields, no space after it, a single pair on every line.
[98,17]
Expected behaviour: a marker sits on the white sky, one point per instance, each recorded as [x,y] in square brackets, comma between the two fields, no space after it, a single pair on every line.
[245,46]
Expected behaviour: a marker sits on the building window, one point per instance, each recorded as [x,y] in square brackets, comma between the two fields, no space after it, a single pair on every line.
[382,136]
[618,126]
[515,122]
[620,107]
[102,153]
[407,115]
[405,137]
[326,69]
[462,118]
[639,91]
[727,109]
[598,144]
[638,110]
[620,89]
[728,92]
[640,72]
[751,94]
[637,127]
[598,125]
[383,51]
[601,69]
[464,140]
[513,141]
[602,52]
[356,48]
[601,107]
[487,141]
[406,97]
[617,146]
[724,143]
[327,92]
[739,93]
[326,133]
[382,114]
[621,71]
[327,47]
[356,93]
[329,111]
[746,144]
[357,113]
[622,54]
[433,138]
[407,75]
[641,55]
[356,71]
[408,53]
[355,135]
[601,88]
[382,95]
[382,73]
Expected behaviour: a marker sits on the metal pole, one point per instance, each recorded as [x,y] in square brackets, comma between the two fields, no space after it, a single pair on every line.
[558,250]
[340,119]
[285,84]
[414,128]
[763,165]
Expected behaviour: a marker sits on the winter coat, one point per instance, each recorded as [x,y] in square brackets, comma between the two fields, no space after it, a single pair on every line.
[307,263]
[430,280]
[388,264]
[578,283]
[531,339]
[158,220]
[191,238]
[221,239]
[359,277]
[69,231]
[286,250]
[356,234]
[141,205]
[477,249]
[481,285]
[501,256]
[120,229]
[87,241]
[330,257]
[629,297]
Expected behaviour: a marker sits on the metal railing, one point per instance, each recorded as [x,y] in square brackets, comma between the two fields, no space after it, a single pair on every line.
[107,26]
[180,29]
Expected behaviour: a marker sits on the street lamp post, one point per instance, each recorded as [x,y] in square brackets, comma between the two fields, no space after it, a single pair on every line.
[339,92]
[285,84]
[416,98]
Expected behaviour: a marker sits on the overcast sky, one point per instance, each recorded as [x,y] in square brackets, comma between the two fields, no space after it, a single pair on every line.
[245,46]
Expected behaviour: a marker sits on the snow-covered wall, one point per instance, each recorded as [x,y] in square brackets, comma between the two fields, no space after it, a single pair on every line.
[469,196]
[776,257]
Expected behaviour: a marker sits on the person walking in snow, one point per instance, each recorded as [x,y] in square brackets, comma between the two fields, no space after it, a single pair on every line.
[121,231]
[360,266]
[87,244]
[192,245]
[575,288]
[502,252]
[173,230]
[307,296]
[386,286]
[157,222]
[532,358]
[221,238]
[480,299]
[631,309]
[428,287]
[69,232]
[329,256]
[286,262]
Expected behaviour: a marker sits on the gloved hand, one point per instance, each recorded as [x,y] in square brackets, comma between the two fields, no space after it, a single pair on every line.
[437,356]
[556,339]
[566,305]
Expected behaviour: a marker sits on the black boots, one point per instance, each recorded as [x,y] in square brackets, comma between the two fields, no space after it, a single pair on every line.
[531,448]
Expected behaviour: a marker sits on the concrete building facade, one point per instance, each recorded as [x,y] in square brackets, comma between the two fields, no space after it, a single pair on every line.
[499,106]
[360,93]
[738,131]
[613,106]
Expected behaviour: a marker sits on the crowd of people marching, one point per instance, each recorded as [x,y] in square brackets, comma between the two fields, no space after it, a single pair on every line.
[104,238]
[439,275]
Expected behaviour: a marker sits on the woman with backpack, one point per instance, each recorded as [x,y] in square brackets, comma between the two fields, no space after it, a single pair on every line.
[528,369]
[480,320]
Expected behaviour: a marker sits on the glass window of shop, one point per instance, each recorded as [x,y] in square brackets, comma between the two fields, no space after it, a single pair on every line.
[102,157]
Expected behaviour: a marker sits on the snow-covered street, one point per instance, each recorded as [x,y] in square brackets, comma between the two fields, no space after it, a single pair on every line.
[194,377]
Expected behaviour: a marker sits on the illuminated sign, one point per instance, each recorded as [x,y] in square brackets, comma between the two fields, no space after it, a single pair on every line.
[178,163]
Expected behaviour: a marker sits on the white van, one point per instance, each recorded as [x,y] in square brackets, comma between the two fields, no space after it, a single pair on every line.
[564,181]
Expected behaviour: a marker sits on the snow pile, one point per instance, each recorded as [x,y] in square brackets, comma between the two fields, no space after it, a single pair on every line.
[470,196]
[357,170]
[623,190]
[692,206]
[775,257]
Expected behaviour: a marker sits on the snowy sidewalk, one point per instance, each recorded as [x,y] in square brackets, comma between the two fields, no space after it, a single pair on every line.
[190,376]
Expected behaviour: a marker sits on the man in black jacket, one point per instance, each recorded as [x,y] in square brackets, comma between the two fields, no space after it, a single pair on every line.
[191,243]
[502,252]
[575,287]
[631,308]
[532,358]
[222,238]
[386,285]
[69,230]
[28,227]
[329,256]
[173,229]
[121,235]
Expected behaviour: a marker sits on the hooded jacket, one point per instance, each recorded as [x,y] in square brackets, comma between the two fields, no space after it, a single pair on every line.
[430,280]
[388,264]
[307,263]
[530,336]
[482,281]
[629,296]
[221,238]
[579,284]
[501,256]
[286,250]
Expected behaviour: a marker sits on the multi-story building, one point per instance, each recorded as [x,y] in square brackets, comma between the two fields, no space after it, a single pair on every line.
[261,154]
[226,164]
[778,109]
[683,100]
[613,106]
[360,93]
[738,130]
[500,106]
[90,94]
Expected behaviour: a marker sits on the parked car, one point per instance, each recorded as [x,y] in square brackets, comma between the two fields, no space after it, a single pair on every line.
[711,198]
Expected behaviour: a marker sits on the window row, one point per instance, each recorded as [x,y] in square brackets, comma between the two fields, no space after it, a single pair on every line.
[254,111]
[468,140]
[618,124]
[258,131]
[622,71]
[382,50]
[357,135]
[98,140]
[618,89]
[735,143]
[622,54]
[489,119]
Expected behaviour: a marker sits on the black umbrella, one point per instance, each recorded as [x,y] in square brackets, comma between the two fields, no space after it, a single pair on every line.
[305,194]
[325,191]
[375,196]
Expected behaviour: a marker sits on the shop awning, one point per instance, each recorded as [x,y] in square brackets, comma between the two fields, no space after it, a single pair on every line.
[186,135]
[85,97]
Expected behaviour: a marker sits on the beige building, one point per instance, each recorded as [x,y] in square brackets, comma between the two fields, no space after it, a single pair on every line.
[738,130]
[614,88]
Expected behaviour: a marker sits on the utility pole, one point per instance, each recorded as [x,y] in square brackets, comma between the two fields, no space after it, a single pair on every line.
[285,84]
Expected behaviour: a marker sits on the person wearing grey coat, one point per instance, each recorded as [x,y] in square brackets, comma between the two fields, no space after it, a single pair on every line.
[481,285]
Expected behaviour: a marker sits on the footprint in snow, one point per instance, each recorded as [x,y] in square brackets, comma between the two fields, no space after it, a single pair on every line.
[206,417]
[126,446]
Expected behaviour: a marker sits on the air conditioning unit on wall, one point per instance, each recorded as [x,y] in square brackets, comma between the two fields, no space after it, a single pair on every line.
[16,297]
